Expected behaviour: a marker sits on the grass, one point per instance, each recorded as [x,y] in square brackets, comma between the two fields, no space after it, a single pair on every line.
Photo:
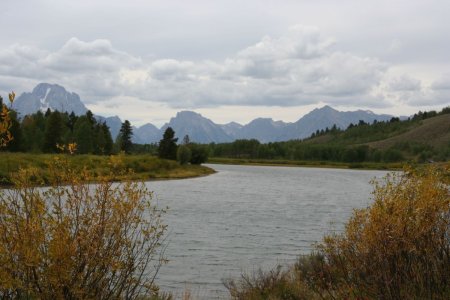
[305,163]
[143,167]
[434,132]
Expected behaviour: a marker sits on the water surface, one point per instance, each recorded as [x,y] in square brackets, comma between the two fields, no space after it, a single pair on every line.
[246,217]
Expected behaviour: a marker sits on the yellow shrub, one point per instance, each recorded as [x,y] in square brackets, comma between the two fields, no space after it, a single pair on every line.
[399,248]
[74,240]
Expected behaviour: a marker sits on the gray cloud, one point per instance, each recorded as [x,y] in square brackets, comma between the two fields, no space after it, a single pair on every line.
[299,67]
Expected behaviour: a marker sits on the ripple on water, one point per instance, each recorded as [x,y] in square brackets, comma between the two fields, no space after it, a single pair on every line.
[243,218]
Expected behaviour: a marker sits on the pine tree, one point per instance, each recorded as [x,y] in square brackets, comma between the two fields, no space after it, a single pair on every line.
[108,139]
[53,131]
[83,134]
[71,122]
[168,145]
[125,137]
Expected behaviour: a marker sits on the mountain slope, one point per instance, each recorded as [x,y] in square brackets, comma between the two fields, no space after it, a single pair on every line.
[146,134]
[199,128]
[264,130]
[49,96]
[433,131]
[321,118]
[231,129]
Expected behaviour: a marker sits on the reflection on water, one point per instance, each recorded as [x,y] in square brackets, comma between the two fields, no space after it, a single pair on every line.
[246,217]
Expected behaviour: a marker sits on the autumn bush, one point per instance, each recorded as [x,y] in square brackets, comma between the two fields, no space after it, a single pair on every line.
[74,240]
[398,248]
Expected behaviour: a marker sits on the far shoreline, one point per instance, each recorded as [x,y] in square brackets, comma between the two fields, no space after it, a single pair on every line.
[309,164]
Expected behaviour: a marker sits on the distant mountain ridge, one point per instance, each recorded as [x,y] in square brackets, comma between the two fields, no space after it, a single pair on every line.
[48,96]
[200,129]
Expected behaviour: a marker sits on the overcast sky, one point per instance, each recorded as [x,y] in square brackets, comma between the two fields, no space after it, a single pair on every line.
[230,60]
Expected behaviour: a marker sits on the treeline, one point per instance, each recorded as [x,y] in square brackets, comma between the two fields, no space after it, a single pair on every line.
[337,145]
[298,150]
[43,132]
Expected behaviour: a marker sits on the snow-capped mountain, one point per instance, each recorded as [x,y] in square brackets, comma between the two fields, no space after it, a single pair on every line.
[49,96]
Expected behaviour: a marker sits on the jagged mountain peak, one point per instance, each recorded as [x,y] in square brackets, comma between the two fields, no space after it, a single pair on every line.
[199,128]
[49,96]
[325,108]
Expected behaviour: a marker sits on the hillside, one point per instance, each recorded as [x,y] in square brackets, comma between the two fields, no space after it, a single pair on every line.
[423,137]
[434,131]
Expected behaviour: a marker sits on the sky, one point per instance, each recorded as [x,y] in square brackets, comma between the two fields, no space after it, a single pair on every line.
[230,60]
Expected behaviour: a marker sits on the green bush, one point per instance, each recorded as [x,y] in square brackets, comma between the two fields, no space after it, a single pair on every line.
[183,154]
[199,154]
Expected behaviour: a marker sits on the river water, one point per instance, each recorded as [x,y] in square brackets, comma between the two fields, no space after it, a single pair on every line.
[248,217]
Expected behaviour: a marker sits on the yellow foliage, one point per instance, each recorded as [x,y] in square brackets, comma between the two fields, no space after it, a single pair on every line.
[77,241]
[5,122]
[399,248]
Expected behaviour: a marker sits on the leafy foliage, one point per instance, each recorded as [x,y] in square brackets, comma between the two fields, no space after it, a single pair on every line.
[199,153]
[5,121]
[183,154]
[78,241]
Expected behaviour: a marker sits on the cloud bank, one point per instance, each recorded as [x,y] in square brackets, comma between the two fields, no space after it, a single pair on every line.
[300,67]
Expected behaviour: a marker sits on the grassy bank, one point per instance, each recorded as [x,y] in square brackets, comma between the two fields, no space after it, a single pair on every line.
[143,167]
[312,164]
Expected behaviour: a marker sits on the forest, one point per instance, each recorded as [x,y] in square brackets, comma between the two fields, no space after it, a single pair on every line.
[357,143]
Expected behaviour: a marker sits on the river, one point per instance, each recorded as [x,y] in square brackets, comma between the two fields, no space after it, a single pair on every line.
[247,217]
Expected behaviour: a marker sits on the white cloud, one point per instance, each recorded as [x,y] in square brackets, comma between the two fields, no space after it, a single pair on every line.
[301,42]
[301,67]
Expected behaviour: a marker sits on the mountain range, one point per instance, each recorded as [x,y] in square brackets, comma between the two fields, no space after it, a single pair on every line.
[200,129]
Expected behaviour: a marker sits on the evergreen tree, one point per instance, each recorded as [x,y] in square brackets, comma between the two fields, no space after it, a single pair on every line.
[32,134]
[71,122]
[84,136]
[90,117]
[125,137]
[168,145]
[53,132]
[186,140]
[108,139]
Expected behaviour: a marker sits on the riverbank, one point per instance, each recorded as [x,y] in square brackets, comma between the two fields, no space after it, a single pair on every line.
[312,164]
[142,167]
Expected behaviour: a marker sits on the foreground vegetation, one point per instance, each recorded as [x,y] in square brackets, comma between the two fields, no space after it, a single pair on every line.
[76,241]
[143,167]
[398,248]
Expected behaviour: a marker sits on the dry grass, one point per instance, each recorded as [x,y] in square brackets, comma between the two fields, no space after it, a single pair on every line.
[143,167]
